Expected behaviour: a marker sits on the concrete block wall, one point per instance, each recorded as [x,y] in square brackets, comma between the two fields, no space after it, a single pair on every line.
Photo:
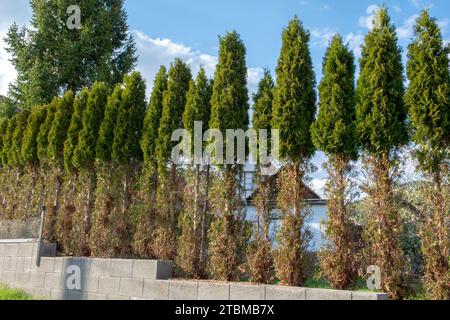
[116,279]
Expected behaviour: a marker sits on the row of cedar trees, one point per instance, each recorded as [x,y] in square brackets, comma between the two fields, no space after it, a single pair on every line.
[101,161]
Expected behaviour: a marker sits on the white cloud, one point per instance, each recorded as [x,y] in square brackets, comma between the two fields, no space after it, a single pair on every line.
[406,31]
[10,11]
[355,41]
[322,37]
[366,21]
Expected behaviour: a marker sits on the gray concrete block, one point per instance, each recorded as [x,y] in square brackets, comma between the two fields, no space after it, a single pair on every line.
[2,249]
[11,249]
[11,263]
[145,269]
[100,267]
[285,293]
[46,265]
[367,296]
[20,264]
[90,283]
[131,287]
[121,268]
[40,293]
[37,280]
[25,250]
[2,260]
[114,297]
[54,281]
[59,265]
[324,294]
[156,289]
[27,264]
[97,296]
[164,270]
[213,291]
[247,292]
[9,277]
[22,279]
[109,285]
[183,290]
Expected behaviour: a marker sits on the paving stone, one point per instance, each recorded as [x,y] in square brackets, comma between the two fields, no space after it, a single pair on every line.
[156,289]
[121,268]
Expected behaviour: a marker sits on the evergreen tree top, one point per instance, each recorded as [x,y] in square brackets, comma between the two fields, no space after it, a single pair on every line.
[262,102]
[381,115]
[334,131]
[294,105]
[428,94]
[230,93]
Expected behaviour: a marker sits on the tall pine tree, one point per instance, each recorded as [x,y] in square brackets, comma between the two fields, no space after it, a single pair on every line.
[230,109]
[294,109]
[334,132]
[51,57]
[428,102]
[382,130]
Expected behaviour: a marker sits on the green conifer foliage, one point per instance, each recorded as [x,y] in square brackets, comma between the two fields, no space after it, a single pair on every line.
[44,130]
[294,109]
[58,132]
[106,133]
[381,128]
[428,102]
[15,154]
[76,124]
[174,103]
[30,143]
[230,109]
[153,118]
[294,105]
[3,129]
[85,151]
[7,140]
[128,130]
[334,132]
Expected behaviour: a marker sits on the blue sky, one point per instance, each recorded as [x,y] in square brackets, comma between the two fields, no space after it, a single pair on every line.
[167,29]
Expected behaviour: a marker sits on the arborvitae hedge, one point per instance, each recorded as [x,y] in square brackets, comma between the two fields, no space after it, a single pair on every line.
[58,132]
[44,130]
[230,108]
[174,102]
[15,158]
[128,129]
[106,133]
[153,118]
[76,124]
[29,144]
[334,132]
[428,101]
[381,125]
[85,151]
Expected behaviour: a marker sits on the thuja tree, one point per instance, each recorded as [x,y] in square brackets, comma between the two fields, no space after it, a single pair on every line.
[3,128]
[42,138]
[259,255]
[15,158]
[55,155]
[294,109]
[145,208]
[428,101]
[193,221]
[334,132]
[127,154]
[170,182]
[229,111]
[7,172]
[106,194]
[33,185]
[84,161]
[381,115]
[76,124]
